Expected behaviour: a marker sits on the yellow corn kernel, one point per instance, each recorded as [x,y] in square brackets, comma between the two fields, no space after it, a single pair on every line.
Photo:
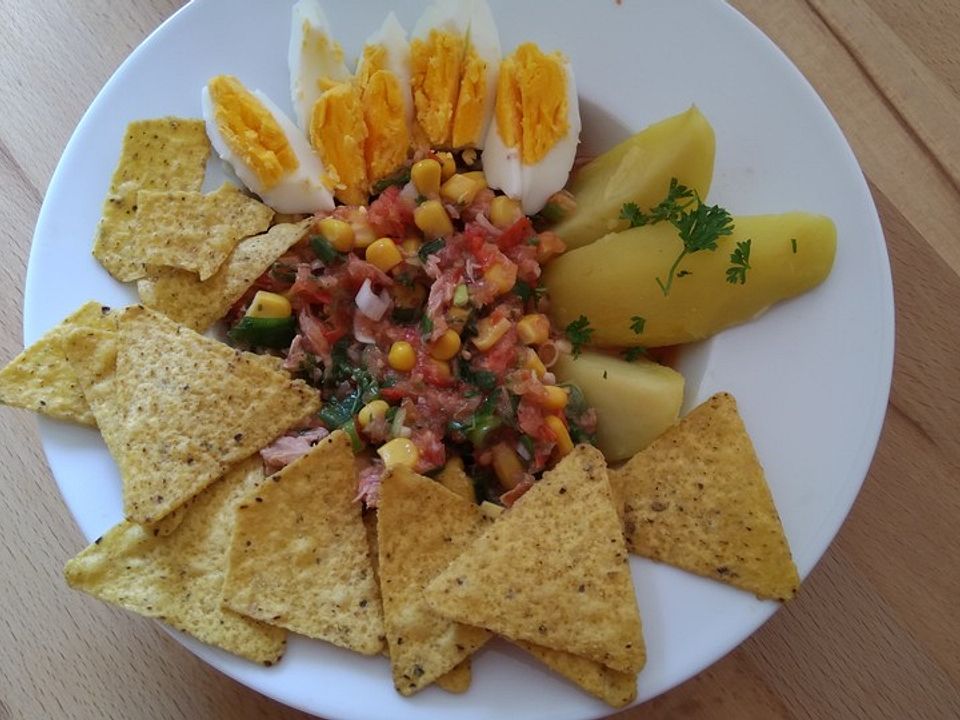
[432,219]
[564,443]
[363,235]
[448,166]
[533,329]
[556,398]
[489,332]
[373,410]
[460,189]
[425,175]
[410,245]
[504,211]
[441,369]
[478,177]
[384,254]
[268,305]
[399,451]
[507,465]
[457,318]
[502,277]
[409,296]
[532,361]
[338,233]
[402,357]
[446,346]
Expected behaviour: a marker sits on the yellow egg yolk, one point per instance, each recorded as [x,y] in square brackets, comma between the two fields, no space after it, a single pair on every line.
[531,107]
[435,78]
[468,117]
[338,133]
[250,131]
[388,137]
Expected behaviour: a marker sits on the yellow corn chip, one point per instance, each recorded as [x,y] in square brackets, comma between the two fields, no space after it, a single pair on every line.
[161,154]
[191,407]
[422,526]
[178,578]
[697,498]
[455,479]
[197,304]
[457,680]
[299,557]
[614,688]
[192,231]
[553,570]
[41,379]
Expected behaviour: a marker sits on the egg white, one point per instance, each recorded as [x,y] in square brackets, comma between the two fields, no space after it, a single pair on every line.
[483,37]
[309,63]
[452,16]
[300,191]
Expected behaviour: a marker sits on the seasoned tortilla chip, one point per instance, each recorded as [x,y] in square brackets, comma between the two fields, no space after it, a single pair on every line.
[614,688]
[422,526]
[457,680]
[162,154]
[195,232]
[178,578]
[553,570]
[197,304]
[191,407]
[41,379]
[455,479]
[697,498]
[299,557]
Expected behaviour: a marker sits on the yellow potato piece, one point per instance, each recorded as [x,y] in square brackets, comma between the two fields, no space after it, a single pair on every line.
[635,401]
[639,170]
[615,279]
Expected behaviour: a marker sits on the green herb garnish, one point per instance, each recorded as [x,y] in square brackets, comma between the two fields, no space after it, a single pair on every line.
[637,324]
[700,226]
[428,249]
[579,333]
[793,244]
[401,177]
[631,354]
[264,332]
[461,296]
[525,291]
[324,250]
[740,258]
[426,325]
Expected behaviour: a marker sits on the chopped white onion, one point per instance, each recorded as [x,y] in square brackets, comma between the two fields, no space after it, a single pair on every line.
[370,304]
[360,332]
[522,451]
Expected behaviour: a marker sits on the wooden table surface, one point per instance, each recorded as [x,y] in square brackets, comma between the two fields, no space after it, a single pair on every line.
[875,633]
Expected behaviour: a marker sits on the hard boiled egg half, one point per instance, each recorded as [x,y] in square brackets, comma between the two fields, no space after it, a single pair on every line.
[263,146]
[532,143]
[454,57]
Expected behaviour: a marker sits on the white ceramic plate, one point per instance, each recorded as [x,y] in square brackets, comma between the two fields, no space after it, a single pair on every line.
[812,376]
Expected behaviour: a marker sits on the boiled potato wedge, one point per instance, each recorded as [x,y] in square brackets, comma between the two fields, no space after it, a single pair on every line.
[615,279]
[635,401]
[639,170]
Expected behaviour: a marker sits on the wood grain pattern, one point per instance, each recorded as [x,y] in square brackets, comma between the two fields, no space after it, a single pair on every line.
[875,632]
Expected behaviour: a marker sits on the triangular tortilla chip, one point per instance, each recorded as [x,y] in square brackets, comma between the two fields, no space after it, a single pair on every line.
[191,407]
[422,526]
[697,498]
[457,680]
[193,231]
[199,304]
[178,578]
[614,688]
[161,154]
[553,570]
[455,479]
[299,557]
[40,378]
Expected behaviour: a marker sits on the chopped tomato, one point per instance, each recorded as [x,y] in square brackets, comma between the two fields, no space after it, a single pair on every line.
[391,215]
[518,233]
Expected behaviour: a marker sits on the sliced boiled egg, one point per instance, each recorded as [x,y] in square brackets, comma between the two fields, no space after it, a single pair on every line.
[532,142]
[315,59]
[338,134]
[437,48]
[478,79]
[263,146]
[383,76]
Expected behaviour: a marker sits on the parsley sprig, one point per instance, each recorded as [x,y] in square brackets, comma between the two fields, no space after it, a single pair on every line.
[700,226]
[737,273]
[578,333]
